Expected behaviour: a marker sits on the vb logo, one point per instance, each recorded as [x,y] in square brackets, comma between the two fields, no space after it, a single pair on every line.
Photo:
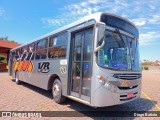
[43,67]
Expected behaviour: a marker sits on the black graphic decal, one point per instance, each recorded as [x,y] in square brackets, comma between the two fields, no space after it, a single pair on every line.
[43,67]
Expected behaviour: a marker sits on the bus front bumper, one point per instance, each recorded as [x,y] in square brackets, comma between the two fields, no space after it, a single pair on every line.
[104,97]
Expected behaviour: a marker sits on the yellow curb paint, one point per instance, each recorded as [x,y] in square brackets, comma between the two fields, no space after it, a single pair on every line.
[157,106]
[11,77]
[7,67]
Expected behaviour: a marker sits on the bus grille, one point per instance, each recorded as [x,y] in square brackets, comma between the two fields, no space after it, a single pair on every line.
[124,97]
[126,88]
[127,76]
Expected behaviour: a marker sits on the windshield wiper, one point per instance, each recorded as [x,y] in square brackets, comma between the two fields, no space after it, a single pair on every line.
[124,44]
[121,37]
[134,52]
[136,44]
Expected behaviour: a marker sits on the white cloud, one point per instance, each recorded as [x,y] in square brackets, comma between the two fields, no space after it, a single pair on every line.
[155,19]
[78,10]
[96,1]
[139,21]
[84,8]
[1,12]
[53,21]
[3,15]
[149,37]
[73,12]
[143,14]
[121,3]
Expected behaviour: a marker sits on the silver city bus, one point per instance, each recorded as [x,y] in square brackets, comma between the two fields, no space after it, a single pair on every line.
[94,60]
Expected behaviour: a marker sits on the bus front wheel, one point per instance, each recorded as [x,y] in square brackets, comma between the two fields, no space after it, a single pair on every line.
[57,91]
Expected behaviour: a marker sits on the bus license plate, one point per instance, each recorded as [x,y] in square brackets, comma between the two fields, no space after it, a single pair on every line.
[130,95]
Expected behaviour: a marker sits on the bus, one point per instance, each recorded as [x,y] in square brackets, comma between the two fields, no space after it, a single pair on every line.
[94,60]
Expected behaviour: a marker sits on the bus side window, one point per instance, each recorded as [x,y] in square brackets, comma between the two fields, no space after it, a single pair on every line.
[13,55]
[41,49]
[17,55]
[24,52]
[52,41]
[58,46]
[31,51]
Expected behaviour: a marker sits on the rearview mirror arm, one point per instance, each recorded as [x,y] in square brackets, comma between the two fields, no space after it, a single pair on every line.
[99,47]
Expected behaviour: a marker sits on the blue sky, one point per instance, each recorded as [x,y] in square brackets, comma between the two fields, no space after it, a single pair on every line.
[25,20]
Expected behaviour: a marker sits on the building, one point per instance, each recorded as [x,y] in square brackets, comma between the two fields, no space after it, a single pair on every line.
[156,63]
[5,47]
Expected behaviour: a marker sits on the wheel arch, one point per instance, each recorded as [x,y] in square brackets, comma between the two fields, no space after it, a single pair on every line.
[51,80]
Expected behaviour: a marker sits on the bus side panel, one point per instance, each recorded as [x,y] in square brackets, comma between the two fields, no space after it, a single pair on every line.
[49,68]
[34,77]
[42,70]
[11,71]
[28,76]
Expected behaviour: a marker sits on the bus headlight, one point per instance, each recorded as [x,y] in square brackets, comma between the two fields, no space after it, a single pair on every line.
[110,87]
[106,84]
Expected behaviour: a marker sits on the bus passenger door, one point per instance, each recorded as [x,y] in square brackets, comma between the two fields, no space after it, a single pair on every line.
[82,50]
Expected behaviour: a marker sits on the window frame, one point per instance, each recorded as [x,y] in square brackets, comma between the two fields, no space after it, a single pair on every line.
[34,48]
[56,46]
[45,48]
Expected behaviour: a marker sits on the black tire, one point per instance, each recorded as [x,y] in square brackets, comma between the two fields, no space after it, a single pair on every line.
[13,80]
[57,92]
[18,82]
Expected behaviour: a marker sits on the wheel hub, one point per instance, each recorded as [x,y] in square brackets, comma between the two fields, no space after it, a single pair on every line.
[16,79]
[56,90]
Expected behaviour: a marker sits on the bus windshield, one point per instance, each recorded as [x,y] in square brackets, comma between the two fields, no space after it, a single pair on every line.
[119,53]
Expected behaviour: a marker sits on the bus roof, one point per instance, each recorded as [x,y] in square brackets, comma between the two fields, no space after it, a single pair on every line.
[95,16]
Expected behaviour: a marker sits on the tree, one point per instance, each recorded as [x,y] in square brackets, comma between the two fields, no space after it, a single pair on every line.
[6,38]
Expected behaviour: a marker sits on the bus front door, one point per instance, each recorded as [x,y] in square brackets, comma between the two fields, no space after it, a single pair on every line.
[82,50]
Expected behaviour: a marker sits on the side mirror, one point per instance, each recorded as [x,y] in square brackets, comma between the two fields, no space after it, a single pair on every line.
[101,31]
[100,35]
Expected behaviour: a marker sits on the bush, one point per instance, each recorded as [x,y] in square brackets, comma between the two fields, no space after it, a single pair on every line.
[2,58]
[142,68]
[146,68]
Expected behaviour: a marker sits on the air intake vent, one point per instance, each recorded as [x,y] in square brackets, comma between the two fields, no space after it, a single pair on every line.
[127,88]
[127,76]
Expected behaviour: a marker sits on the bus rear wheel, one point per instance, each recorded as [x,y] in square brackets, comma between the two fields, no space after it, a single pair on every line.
[18,82]
[57,91]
